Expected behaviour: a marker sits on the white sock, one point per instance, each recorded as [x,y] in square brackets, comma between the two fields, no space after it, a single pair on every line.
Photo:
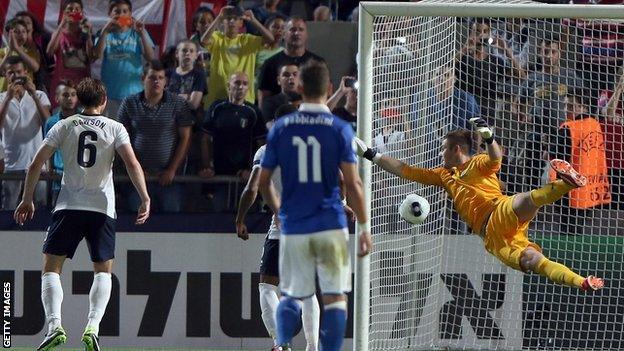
[269,299]
[311,314]
[98,299]
[52,298]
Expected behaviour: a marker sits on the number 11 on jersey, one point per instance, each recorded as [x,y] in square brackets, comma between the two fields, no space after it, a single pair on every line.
[302,158]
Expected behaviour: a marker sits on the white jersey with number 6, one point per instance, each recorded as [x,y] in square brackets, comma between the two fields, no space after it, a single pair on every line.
[87,144]
[274,232]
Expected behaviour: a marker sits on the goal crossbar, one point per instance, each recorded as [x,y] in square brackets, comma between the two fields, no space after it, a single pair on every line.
[376,8]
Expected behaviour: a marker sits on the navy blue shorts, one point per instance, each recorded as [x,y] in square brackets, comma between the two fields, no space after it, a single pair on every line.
[69,227]
[269,263]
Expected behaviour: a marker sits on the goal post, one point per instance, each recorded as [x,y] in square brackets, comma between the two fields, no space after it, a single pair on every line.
[434,286]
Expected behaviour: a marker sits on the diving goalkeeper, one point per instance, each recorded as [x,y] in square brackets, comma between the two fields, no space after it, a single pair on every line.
[501,221]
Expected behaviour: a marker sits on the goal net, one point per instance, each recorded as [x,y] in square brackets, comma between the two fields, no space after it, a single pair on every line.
[526,70]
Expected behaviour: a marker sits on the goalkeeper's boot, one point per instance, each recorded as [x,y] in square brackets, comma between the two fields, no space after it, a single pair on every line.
[285,347]
[90,340]
[54,339]
[592,283]
[567,173]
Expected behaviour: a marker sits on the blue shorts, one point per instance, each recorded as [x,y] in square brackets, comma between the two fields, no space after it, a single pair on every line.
[269,263]
[69,227]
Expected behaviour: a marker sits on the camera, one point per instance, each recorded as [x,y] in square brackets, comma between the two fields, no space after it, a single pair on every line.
[351,83]
[75,16]
[20,80]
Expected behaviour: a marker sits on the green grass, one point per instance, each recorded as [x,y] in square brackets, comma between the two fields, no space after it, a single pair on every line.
[111,349]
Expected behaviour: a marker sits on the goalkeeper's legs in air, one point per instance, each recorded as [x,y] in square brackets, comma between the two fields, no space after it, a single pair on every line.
[535,261]
[526,205]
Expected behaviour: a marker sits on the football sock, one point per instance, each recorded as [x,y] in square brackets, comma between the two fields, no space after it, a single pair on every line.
[52,298]
[334,325]
[310,316]
[288,319]
[558,273]
[269,299]
[98,299]
[550,193]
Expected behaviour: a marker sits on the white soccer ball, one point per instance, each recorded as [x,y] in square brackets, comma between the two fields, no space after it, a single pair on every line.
[414,209]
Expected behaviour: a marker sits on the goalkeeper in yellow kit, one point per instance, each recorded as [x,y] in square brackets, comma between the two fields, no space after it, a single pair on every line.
[501,221]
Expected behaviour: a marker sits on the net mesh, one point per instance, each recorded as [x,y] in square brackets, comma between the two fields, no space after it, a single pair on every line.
[434,286]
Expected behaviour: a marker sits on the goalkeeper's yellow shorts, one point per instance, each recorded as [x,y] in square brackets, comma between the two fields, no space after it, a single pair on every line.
[505,237]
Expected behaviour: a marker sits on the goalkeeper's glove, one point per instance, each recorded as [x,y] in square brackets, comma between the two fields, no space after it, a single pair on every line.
[366,152]
[482,128]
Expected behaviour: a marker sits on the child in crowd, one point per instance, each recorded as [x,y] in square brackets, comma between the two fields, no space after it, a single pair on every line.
[18,45]
[276,25]
[71,45]
[121,44]
[232,51]
[187,80]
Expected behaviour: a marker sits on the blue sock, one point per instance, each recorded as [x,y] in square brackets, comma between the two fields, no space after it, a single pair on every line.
[288,320]
[333,328]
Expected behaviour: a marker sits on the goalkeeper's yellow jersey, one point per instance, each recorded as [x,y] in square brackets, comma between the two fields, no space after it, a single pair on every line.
[473,186]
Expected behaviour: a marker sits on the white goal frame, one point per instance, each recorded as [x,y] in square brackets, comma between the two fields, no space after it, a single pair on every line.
[367,11]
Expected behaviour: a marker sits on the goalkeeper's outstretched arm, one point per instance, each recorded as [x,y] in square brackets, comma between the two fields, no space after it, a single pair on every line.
[396,167]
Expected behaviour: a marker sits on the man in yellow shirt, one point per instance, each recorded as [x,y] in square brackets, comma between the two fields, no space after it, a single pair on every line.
[501,221]
[231,51]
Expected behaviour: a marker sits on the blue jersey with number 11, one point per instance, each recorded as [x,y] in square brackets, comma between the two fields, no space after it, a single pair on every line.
[309,147]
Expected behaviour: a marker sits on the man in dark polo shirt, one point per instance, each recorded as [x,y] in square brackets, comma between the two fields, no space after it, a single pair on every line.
[159,123]
[288,80]
[233,129]
[295,52]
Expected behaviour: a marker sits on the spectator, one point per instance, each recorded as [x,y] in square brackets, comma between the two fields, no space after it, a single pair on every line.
[234,129]
[547,88]
[580,141]
[295,52]
[71,45]
[322,14]
[187,80]
[39,38]
[479,72]
[395,130]
[449,100]
[121,44]
[612,107]
[18,45]
[23,111]
[514,130]
[276,26]
[202,19]
[231,51]
[263,12]
[67,100]
[159,123]
[355,15]
[515,33]
[348,111]
[288,81]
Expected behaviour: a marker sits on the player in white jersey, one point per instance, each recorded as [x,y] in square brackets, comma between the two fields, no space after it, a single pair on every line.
[269,263]
[85,207]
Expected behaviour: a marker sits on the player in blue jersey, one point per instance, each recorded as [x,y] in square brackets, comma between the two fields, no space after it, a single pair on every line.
[269,263]
[310,147]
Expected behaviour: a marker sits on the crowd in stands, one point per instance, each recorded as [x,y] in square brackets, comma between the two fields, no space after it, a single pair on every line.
[203,107]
